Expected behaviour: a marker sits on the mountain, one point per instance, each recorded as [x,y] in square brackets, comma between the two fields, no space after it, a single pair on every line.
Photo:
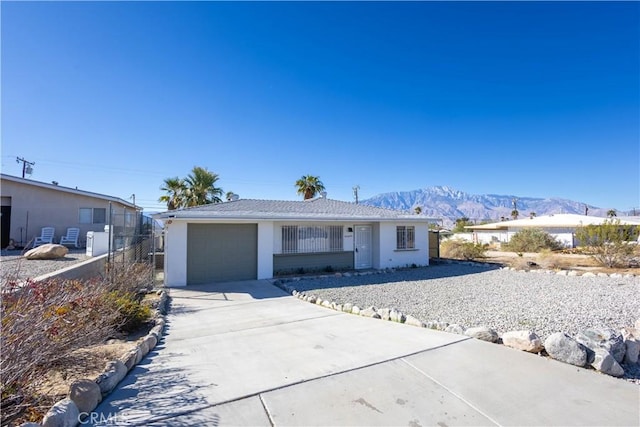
[450,204]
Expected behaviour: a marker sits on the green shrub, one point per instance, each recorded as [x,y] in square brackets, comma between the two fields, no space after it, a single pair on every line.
[610,244]
[459,249]
[532,240]
[132,313]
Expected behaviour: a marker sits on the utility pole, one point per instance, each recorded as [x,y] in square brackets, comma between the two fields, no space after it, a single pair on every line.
[586,210]
[26,166]
[355,192]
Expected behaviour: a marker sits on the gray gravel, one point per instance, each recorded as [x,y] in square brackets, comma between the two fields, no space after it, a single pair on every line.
[500,299]
[14,267]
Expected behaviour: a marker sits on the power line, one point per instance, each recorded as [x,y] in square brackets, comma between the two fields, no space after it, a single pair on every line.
[26,165]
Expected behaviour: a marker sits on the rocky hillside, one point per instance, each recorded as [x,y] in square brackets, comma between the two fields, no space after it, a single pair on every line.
[449,204]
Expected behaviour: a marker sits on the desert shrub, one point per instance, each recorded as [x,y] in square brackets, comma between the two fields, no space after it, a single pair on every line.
[43,323]
[531,240]
[460,249]
[132,313]
[611,244]
[550,260]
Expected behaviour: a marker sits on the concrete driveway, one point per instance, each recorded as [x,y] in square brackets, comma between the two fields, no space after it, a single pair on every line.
[246,353]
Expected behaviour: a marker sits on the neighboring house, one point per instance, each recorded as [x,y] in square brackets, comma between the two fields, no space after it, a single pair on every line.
[29,205]
[561,226]
[257,239]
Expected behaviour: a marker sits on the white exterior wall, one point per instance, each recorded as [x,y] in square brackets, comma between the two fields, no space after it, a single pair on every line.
[175,244]
[266,233]
[484,237]
[390,257]
[348,238]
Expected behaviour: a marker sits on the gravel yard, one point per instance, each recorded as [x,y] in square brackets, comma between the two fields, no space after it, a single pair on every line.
[14,266]
[501,299]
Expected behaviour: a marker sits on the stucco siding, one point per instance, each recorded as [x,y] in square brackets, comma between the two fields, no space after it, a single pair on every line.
[285,263]
[265,249]
[34,207]
[175,244]
[391,257]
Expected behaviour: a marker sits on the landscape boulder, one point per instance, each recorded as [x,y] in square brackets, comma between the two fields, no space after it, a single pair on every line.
[562,347]
[482,333]
[65,413]
[631,339]
[47,251]
[604,338]
[606,363]
[410,320]
[523,340]
[397,316]
[86,394]
[114,372]
[455,329]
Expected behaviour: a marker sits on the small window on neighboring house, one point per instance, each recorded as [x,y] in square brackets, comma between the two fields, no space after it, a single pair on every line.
[405,237]
[92,216]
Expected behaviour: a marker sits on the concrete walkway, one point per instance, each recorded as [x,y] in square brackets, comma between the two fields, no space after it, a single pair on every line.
[246,353]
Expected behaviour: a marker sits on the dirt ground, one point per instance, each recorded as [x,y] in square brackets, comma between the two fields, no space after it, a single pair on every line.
[555,261]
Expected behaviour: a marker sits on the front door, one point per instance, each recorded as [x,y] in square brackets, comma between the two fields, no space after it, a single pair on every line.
[363,252]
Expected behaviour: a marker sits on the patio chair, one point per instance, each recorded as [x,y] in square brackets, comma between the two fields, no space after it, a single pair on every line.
[71,238]
[46,236]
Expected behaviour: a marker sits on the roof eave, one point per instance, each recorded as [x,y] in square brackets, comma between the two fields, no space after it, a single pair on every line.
[168,215]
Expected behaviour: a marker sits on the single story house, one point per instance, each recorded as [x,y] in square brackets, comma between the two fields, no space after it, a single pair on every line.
[28,206]
[561,226]
[258,239]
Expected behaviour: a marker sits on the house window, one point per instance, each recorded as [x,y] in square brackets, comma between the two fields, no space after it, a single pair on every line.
[92,216]
[405,237]
[297,239]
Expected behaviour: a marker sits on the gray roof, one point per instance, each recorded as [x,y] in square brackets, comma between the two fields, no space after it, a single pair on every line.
[63,189]
[314,209]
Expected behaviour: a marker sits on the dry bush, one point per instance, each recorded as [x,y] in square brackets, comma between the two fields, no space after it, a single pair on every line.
[460,249]
[549,260]
[520,263]
[43,323]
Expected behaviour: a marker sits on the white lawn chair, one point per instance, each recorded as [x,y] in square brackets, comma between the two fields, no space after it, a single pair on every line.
[46,236]
[71,238]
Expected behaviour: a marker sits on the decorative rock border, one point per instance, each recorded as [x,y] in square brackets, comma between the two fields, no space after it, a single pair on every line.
[600,348]
[85,395]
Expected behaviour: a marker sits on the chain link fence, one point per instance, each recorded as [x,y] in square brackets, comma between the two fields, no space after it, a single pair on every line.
[135,239]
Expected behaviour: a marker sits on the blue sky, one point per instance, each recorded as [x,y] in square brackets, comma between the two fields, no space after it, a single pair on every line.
[537,99]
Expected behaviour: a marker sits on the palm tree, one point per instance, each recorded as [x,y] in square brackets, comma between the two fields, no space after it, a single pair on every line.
[611,213]
[175,189]
[201,189]
[309,186]
[515,213]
